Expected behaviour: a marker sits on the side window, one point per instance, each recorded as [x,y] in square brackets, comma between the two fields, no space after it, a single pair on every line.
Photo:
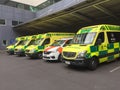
[46,41]
[117,36]
[113,37]
[2,22]
[100,38]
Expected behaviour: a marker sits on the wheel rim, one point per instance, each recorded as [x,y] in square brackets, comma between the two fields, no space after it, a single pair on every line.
[40,55]
[93,64]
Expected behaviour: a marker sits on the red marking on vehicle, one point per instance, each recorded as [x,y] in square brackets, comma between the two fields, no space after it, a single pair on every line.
[49,48]
[60,49]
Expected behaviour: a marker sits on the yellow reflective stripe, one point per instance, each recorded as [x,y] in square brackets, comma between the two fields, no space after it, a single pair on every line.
[95,54]
[116,45]
[116,55]
[103,59]
[110,50]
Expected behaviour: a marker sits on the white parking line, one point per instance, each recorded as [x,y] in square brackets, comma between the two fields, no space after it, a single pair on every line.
[115,69]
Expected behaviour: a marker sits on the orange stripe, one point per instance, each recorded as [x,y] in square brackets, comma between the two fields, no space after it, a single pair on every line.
[60,49]
[49,48]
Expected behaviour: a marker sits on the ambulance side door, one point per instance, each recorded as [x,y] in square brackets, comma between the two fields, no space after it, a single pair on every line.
[46,42]
[102,42]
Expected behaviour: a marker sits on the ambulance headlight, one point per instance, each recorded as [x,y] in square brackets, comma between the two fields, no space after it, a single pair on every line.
[82,54]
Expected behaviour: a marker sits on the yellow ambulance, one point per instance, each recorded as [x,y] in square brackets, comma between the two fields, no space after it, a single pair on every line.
[11,48]
[20,49]
[93,45]
[44,41]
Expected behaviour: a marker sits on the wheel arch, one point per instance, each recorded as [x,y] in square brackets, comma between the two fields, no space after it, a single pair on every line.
[96,58]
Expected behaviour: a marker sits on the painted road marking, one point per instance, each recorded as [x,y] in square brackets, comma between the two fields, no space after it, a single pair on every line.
[115,69]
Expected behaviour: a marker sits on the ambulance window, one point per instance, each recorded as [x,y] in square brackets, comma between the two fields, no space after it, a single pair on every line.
[46,41]
[117,36]
[113,37]
[31,42]
[100,38]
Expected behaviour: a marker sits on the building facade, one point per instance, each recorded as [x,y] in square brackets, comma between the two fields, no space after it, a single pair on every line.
[9,17]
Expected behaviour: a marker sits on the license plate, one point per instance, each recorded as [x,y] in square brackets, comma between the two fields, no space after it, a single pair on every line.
[67,62]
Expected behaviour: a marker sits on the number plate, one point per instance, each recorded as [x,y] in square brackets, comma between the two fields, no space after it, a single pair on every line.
[67,62]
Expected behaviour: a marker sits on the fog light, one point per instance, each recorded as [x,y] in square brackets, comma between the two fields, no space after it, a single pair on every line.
[53,57]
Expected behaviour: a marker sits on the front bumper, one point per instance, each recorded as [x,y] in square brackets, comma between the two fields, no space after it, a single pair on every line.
[20,53]
[32,55]
[82,62]
[50,57]
[10,51]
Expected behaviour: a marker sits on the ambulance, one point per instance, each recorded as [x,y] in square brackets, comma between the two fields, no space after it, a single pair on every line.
[45,40]
[53,52]
[20,49]
[33,45]
[93,45]
[11,48]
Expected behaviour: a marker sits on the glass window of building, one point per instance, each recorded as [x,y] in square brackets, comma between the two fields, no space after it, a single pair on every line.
[46,4]
[2,21]
[20,22]
[14,23]
[4,43]
[32,5]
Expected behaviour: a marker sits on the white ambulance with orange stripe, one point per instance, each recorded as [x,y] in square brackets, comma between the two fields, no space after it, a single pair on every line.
[53,52]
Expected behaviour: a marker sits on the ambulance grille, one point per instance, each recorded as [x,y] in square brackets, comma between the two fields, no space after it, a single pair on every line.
[69,54]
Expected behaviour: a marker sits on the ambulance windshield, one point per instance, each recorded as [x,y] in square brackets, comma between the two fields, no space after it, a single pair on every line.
[19,43]
[37,42]
[23,42]
[16,42]
[84,38]
[31,42]
[58,43]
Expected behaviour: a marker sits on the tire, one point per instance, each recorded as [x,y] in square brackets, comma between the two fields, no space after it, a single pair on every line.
[93,63]
[60,58]
[40,55]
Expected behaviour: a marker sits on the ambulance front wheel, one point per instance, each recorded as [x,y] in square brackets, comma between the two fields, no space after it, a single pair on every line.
[60,58]
[40,55]
[93,63]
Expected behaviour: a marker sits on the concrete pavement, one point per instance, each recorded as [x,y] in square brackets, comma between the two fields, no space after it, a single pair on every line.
[22,73]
